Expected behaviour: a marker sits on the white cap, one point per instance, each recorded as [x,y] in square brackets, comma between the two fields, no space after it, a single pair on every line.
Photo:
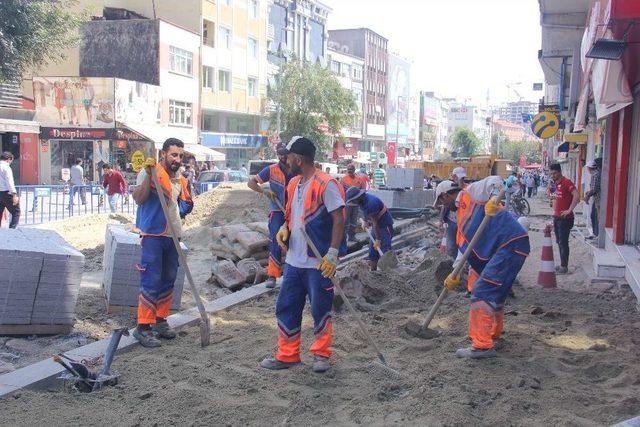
[591,164]
[444,187]
[459,172]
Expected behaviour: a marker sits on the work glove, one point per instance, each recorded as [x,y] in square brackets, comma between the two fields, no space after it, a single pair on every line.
[150,163]
[376,245]
[282,236]
[329,263]
[492,207]
[451,282]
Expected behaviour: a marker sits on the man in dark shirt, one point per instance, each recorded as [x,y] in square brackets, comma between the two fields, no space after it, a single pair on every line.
[566,199]
[115,185]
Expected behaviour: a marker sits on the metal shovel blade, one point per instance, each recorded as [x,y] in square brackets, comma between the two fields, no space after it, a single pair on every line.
[388,261]
[205,332]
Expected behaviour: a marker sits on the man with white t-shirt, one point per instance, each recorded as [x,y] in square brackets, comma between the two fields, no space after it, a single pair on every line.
[315,201]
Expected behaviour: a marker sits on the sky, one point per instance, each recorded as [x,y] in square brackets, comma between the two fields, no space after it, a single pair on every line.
[458,48]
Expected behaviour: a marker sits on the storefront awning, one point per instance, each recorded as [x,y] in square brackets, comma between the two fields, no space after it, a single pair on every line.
[200,152]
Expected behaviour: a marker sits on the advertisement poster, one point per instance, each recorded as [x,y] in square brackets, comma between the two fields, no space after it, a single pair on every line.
[137,103]
[398,95]
[84,102]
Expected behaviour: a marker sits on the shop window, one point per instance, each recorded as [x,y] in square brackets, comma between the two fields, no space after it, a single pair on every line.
[180,112]
[208,33]
[180,61]
[224,81]
[225,37]
[252,86]
[207,77]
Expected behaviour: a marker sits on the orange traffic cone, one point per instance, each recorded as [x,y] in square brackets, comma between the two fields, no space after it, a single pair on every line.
[443,243]
[547,274]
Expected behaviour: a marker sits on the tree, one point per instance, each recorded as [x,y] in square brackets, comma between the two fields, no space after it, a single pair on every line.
[34,33]
[307,99]
[512,150]
[465,142]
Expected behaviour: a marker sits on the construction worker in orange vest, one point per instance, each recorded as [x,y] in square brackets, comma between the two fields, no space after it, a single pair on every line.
[351,180]
[315,203]
[497,259]
[278,176]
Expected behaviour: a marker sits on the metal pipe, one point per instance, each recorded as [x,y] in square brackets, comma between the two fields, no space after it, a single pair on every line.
[110,353]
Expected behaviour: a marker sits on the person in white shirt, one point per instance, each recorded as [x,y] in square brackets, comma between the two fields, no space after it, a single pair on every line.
[8,194]
[244,170]
[315,203]
[77,184]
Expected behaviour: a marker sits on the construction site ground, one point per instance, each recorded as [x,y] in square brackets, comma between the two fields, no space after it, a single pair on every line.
[570,356]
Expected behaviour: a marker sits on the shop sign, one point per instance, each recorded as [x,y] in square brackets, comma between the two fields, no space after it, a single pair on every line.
[129,135]
[545,125]
[137,161]
[75,133]
[65,174]
[552,108]
[42,191]
[230,140]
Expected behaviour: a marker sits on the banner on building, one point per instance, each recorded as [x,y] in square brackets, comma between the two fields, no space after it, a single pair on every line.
[392,148]
[232,140]
[398,96]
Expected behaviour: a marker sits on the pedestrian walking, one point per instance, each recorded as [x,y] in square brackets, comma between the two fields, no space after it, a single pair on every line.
[530,183]
[566,199]
[244,170]
[315,201]
[8,194]
[594,192]
[77,184]
[115,185]
[278,177]
[351,180]
[380,177]
[159,258]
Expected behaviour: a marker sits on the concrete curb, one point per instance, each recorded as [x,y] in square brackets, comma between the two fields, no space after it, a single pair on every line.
[44,373]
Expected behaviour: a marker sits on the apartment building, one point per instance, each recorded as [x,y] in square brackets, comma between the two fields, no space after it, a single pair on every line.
[372,48]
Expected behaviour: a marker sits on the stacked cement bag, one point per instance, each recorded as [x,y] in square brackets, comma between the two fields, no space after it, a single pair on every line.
[240,251]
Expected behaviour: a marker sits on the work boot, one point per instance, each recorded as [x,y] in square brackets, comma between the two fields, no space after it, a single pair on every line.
[276,365]
[163,330]
[146,337]
[473,353]
[320,364]
[270,283]
[561,270]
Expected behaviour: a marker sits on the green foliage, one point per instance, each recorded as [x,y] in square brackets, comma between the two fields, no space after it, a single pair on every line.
[308,96]
[465,142]
[511,150]
[34,33]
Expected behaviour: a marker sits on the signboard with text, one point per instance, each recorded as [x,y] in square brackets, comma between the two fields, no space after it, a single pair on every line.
[230,140]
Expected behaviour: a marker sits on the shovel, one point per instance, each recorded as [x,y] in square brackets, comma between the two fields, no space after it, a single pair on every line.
[422,330]
[387,260]
[205,328]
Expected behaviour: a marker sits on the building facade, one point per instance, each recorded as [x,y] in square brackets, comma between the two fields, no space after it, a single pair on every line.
[372,48]
[349,70]
[471,117]
[518,112]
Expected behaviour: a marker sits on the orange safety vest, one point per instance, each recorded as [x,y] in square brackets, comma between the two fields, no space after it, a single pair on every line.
[317,221]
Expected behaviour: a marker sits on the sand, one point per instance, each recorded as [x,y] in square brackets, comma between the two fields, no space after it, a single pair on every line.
[573,362]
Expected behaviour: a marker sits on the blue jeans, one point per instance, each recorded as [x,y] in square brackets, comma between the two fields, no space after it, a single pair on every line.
[75,189]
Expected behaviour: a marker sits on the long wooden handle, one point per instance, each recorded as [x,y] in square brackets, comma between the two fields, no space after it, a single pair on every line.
[458,268]
[370,234]
[176,243]
[353,311]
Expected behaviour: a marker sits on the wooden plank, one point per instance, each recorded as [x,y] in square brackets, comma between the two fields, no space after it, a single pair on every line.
[35,329]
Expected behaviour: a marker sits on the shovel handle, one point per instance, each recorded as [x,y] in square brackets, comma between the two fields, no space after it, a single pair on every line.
[350,307]
[370,234]
[458,268]
[176,243]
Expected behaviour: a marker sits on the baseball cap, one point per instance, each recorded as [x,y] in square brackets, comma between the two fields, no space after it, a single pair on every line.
[302,146]
[281,149]
[459,172]
[591,164]
[352,194]
[444,187]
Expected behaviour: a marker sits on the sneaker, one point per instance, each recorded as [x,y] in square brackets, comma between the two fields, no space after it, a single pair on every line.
[146,337]
[472,353]
[320,364]
[270,283]
[276,365]
[561,270]
[163,330]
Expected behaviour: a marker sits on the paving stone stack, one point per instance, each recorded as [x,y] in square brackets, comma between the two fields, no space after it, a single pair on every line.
[40,277]
[121,261]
